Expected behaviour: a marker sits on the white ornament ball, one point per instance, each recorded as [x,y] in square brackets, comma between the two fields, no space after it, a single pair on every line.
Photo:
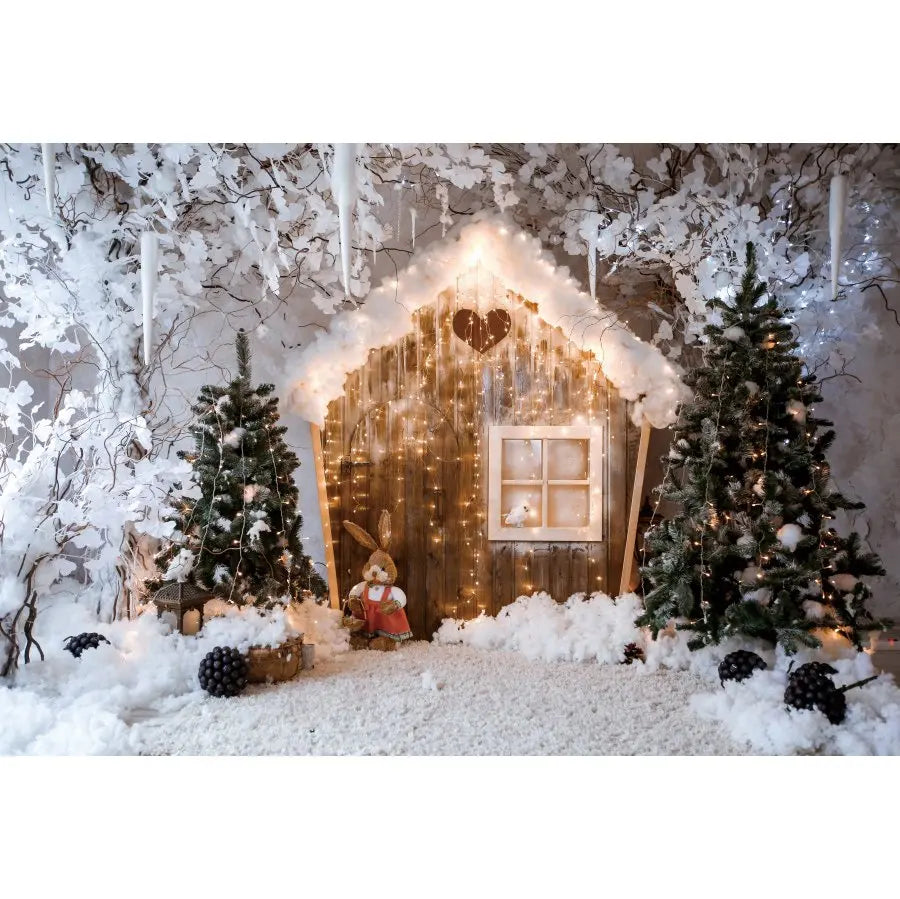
[797,409]
[844,582]
[814,610]
[750,575]
[789,535]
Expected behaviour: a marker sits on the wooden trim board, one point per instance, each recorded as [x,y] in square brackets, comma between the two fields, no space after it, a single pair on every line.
[636,498]
[333,589]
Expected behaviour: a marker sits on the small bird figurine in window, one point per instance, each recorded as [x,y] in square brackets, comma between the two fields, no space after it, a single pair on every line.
[517,515]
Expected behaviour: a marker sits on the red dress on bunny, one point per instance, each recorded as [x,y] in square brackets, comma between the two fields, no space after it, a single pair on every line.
[394,624]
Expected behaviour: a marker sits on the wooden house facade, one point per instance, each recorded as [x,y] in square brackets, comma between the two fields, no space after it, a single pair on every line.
[413,433]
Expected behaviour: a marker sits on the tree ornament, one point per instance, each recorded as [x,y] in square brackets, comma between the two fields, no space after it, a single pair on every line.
[343,189]
[740,665]
[837,210]
[77,645]
[412,225]
[48,157]
[149,269]
[224,671]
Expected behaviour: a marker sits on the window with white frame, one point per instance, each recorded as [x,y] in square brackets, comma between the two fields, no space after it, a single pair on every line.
[545,482]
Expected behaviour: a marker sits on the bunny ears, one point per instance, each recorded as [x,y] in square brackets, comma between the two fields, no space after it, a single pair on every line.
[364,538]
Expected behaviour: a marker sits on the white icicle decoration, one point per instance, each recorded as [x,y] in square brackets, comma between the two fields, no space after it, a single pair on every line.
[592,265]
[412,225]
[343,189]
[837,209]
[48,157]
[149,269]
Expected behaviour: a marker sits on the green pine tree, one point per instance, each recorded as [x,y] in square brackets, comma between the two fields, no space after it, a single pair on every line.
[753,551]
[241,538]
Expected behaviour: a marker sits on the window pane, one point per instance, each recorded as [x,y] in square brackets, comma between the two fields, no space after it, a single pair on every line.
[522,505]
[567,460]
[569,506]
[522,460]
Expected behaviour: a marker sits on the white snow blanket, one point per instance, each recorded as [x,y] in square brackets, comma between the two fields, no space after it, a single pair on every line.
[597,630]
[86,706]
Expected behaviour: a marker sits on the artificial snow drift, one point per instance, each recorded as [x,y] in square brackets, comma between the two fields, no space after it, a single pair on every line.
[86,706]
[579,630]
[540,678]
[753,712]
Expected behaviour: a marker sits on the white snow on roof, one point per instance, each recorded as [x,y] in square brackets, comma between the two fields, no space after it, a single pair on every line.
[517,260]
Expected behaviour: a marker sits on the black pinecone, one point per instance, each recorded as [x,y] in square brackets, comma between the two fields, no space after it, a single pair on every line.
[739,665]
[77,645]
[633,653]
[816,667]
[223,672]
[812,689]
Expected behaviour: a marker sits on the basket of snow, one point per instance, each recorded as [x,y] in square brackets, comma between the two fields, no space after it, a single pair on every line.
[269,664]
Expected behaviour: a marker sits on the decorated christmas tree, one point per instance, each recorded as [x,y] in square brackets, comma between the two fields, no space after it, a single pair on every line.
[752,550]
[241,538]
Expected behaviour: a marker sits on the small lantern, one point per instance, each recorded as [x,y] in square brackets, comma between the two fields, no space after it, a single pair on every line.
[179,598]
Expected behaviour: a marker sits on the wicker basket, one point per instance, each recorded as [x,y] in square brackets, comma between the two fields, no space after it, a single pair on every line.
[275,663]
[353,624]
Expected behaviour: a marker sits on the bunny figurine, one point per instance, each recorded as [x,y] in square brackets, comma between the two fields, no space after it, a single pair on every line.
[376,600]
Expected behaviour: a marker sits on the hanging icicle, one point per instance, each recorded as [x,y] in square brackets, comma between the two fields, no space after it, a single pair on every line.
[149,269]
[837,209]
[48,156]
[343,189]
[374,250]
[412,225]
[592,264]
[400,187]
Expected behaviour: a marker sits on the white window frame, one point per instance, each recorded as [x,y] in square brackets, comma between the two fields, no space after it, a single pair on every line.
[498,530]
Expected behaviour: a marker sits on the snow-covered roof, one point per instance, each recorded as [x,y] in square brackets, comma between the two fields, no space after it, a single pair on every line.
[518,261]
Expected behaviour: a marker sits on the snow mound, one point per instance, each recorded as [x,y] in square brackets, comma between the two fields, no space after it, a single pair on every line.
[86,706]
[595,629]
[754,712]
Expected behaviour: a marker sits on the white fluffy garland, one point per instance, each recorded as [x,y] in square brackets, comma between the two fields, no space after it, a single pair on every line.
[637,369]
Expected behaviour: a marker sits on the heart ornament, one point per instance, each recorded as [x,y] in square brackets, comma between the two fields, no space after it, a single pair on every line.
[481,333]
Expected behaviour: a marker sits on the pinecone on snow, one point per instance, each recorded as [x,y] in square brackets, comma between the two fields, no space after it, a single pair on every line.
[633,653]
[77,645]
[223,672]
[812,668]
[739,665]
[813,689]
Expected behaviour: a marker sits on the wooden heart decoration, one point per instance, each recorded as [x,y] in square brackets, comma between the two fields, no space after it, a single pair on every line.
[481,333]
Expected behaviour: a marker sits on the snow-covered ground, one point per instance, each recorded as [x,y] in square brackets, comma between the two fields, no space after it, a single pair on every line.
[540,678]
[428,699]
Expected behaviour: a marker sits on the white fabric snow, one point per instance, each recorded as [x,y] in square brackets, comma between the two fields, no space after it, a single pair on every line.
[85,706]
[578,630]
[428,699]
